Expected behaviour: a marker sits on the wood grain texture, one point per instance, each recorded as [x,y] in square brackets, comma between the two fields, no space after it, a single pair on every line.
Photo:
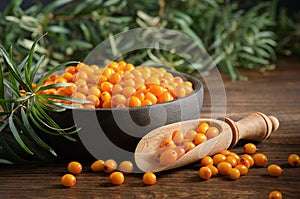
[272,92]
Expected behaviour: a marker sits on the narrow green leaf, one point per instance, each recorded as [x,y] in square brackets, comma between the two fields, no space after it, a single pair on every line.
[53,86]
[254,59]
[34,136]
[13,89]
[36,68]
[3,161]
[61,97]
[3,125]
[55,4]
[58,29]
[16,135]
[2,91]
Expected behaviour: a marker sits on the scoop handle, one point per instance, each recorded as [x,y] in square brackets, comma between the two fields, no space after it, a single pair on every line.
[256,127]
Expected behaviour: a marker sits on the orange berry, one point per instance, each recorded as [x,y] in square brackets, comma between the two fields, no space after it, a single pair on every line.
[207,160]
[128,91]
[97,166]
[106,86]
[179,150]
[199,139]
[71,69]
[126,167]
[165,97]
[113,65]
[82,75]
[150,96]
[94,100]
[275,195]
[68,180]
[236,156]
[147,102]
[234,174]
[250,158]
[60,80]
[101,79]
[231,160]
[122,64]
[78,95]
[225,152]
[116,178]
[274,170]
[74,167]
[212,132]
[105,96]
[94,90]
[156,89]
[149,178]
[190,135]
[294,160]
[134,101]
[249,148]
[61,91]
[213,169]
[219,158]
[69,90]
[83,89]
[242,168]
[107,104]
[188,146]
[118,99]
[107,72]
[202,128]
[205,173]
[178,137]
[167,142]
[114,78]
[110,166]
[244,161]
[168,157]
[68,76]
[260,159]
[224,168]
[140,95]
[128,67]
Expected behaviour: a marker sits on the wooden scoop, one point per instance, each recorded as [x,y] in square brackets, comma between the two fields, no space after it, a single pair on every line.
[255,127]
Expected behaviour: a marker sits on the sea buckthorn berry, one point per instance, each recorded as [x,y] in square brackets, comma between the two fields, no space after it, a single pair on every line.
[94,90]
[188,146]
[225,152]
[107,104]
[202,128]
[61,91]
[179,150]
[101,79]
[128,67]
[128,91]
[113,65]
[150,96]
[147,102]
[274,170]
[110,166]
[205,173]
[236,156]
[224,168]
[213,169]
[106,86]
[234,174]
[260,159]
[179,91]
[156,89]
[218,158]
[134,101]
[212,132]
[126,167]
[190,135]
[199,139]
[178,137]
[249,157]
[69,90]
[68,76]
[118,99]
[68,180]
[105,96]
[140,95]
[207,160]
[242,168]
[71,69]
[168,157]
[78,95]
[231,160]
[275,195]
[97,166]
[74,167]
[149,178]
[249,148]
[60,80]
[158,152]
[294,160]
[245,161]
[82,75]
[89,106]
[94,100]
[116,178]
[165,97]
[108,72]
[84,89]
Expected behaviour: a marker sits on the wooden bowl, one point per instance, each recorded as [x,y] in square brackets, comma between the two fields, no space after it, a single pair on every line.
[115,133]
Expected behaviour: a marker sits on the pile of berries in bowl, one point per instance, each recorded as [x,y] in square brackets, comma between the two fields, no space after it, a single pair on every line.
[125,103]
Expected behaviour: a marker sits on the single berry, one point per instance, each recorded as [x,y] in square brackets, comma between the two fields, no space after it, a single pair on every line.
[116,178]
[274,170]
[205,173]
[68,180]
[149,178]
[74,167]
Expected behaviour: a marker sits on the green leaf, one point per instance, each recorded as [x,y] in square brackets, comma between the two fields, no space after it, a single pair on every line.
[2,91]
[16,135]
[58,29]
[34,136]
[42,88]
[61,97]
[253,58]
[3,161]
[36,68]
[56,4]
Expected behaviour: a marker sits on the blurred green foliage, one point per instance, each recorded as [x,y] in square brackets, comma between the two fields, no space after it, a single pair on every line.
[233,37]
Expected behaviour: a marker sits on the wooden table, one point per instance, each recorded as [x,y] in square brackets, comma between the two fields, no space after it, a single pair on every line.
[273,92]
